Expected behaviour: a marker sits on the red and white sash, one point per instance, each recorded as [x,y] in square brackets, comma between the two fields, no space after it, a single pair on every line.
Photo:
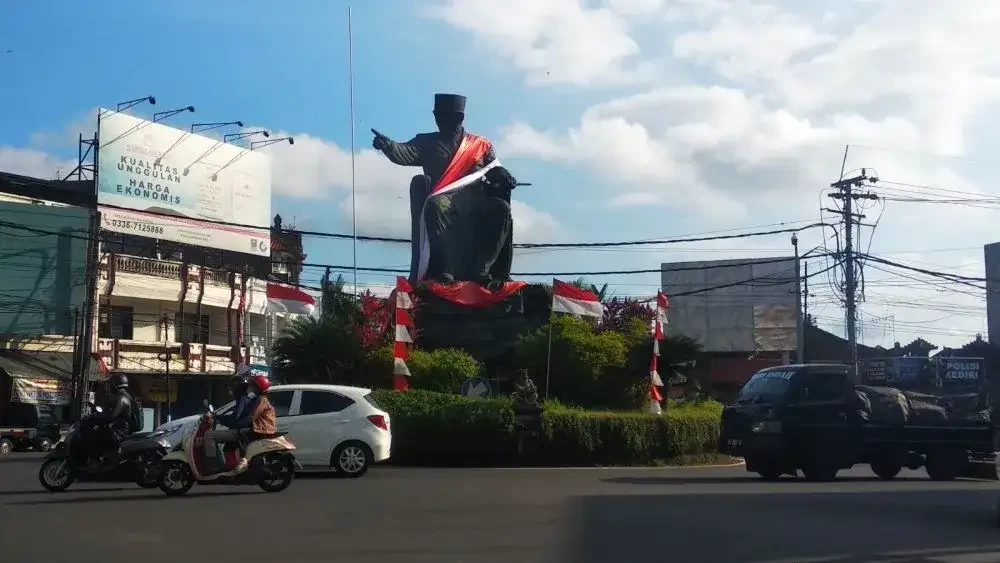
[456,176]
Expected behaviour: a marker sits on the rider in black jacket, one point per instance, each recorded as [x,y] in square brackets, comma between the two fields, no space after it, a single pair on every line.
[116,415]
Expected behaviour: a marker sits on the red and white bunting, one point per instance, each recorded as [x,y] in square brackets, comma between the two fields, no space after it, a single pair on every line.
[655,382]
[567,298]
[404,337]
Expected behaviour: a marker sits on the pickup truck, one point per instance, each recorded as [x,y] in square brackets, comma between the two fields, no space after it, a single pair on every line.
[807,417]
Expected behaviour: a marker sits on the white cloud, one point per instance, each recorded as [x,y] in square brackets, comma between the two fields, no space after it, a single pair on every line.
[34,163]
[555,41]
[315,169]
[747,121]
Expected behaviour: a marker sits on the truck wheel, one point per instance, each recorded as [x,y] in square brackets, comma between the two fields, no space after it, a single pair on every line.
[945,465]
[6,446]
[886,470]
[820,468]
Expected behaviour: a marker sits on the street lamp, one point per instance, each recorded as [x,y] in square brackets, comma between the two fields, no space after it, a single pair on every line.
[160,116]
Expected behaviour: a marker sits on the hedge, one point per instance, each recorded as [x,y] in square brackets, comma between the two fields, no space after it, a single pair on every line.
[437,429]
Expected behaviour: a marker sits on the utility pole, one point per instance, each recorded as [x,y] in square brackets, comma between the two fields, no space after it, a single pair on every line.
[849,219]
[805,298]
[800,321]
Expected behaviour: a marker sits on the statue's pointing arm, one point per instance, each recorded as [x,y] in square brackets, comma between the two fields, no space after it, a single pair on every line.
[409,153]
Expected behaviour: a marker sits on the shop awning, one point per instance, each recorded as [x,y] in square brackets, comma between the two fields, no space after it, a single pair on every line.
[39,378]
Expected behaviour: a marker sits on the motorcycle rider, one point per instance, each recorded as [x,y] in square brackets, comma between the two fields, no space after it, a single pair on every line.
[263,419]
[115,417]
[239,417]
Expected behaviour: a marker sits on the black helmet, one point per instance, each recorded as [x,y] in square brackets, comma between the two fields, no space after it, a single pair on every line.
[118,381]
[238,385]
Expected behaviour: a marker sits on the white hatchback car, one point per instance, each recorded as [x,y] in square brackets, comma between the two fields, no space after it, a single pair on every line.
[333,426]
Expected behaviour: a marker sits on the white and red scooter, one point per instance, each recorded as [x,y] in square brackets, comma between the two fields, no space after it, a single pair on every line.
[271,463]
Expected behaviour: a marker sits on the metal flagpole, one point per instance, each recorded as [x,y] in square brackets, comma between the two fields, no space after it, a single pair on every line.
[548,360]
[354,207]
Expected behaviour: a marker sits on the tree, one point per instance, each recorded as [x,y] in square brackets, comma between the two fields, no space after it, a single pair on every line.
[620,314]
[602,292]
[339,304]
[314,350]
[374,322]
[580,358]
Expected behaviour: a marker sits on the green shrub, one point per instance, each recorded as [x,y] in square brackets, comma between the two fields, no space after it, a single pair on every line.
[441,429]
[448,430]
[441,370]
[580,358]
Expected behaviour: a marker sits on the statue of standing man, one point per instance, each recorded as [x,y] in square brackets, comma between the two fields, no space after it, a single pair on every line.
[461,228]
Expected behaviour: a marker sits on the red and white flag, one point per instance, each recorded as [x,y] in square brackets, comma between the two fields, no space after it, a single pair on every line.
[287,299]
[655,382]
[404,337]
[567,298]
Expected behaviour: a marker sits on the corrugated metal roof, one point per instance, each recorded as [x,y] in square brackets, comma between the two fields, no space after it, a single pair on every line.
[37,366]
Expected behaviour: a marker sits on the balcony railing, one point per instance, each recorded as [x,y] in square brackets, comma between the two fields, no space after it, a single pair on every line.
[145,356]
[165,269]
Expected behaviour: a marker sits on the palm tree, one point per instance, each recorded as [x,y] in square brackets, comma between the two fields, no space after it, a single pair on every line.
[602,293]
[337,303]
[314,350]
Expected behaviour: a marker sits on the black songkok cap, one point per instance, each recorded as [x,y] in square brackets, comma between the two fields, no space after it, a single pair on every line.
[449,103]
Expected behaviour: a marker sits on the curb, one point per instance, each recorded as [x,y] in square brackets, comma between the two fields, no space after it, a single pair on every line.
[738,463]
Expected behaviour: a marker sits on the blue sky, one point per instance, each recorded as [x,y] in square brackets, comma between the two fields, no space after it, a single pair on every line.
[634,119]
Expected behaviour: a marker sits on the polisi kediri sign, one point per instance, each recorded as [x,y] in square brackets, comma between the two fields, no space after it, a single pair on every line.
[170,182]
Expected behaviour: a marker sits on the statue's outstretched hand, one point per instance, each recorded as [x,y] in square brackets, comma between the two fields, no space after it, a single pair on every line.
[380,141]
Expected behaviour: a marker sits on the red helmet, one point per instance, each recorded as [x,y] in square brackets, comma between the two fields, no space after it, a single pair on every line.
[261,383]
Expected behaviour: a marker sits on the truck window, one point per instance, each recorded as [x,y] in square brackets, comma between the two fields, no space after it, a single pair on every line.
[766,386]
[823,386]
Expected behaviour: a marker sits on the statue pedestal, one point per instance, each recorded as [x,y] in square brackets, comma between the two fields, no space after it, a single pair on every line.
[488,331]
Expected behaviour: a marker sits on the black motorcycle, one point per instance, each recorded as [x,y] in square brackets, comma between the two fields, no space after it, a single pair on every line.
[73,459]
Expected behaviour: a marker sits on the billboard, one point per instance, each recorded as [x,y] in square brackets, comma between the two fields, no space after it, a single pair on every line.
[164,183]
[734,305]
[934,375]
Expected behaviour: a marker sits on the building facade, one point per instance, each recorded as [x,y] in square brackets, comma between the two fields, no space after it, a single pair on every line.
[178,328]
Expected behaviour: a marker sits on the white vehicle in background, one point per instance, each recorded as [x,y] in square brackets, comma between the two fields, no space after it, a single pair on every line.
[332,426]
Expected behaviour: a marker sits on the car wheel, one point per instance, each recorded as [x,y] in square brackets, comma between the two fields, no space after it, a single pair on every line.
[352,459]
[6,446]
[55,475]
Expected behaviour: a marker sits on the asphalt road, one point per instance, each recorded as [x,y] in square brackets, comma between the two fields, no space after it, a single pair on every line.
[711,515]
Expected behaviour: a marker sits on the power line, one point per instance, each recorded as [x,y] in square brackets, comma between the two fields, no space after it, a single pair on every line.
[646,242]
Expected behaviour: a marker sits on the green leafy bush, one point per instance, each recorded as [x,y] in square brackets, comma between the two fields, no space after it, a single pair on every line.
[441,370]
[580,358]
[447,430]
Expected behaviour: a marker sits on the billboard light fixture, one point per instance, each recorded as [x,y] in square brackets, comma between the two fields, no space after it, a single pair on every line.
[122,106]
[160,116]
[261,144]
[230,137]
[210,126]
